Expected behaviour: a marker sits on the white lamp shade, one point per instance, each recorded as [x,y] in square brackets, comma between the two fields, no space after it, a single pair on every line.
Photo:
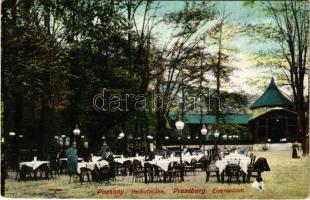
[12,133]
[216,134]
[179,125]
[76,131]
[122,134]
[149,137]
[203,130]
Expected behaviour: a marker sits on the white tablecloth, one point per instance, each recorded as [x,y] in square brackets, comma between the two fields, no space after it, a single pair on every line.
[234,159]
[65,159]
[33,164]
[122,160]
[91,165]
[164,163]
[96,158]
[189,158]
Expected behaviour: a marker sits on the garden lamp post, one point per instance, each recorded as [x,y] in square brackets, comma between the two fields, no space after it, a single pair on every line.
[204,132]
[13,149]
[63,142]
[121,136]
[76,133]
[150,143]
[216,135]
[180,125]
[12,135]
[229,138]
[139,143]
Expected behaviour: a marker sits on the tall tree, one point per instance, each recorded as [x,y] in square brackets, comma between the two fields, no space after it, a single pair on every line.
[289,29]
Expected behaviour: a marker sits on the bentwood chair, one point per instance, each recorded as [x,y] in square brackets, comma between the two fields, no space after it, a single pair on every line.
[233,170]
[212,169]
[137,171]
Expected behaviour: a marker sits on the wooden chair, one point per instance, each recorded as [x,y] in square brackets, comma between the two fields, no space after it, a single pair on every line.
[24,172]
[54,164]
[193,166]
[201,164]
[158,173]
[187,167]
[233,170]
[105,173]
[212,169]
[177,171]
[148,173]
[44,171]
[120,170]
[85,172]
[137,171]
[169,174]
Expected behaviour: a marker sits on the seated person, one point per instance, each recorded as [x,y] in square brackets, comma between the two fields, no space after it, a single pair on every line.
[72,159]
[84,153]
[104,151]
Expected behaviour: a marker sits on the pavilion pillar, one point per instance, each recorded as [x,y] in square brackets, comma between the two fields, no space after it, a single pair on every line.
[267,129]
[286,127]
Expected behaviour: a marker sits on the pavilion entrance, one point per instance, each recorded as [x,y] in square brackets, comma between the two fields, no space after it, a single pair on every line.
[276,129]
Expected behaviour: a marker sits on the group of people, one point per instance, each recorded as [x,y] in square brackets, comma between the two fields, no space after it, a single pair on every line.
[83,152]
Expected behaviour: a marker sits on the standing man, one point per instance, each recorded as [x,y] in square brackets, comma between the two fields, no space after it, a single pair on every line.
[72,159]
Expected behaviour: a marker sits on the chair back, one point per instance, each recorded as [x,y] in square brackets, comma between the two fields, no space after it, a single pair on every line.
[253,159]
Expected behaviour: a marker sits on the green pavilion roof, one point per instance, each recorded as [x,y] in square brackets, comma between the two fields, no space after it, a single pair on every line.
[211,119]
[272,97]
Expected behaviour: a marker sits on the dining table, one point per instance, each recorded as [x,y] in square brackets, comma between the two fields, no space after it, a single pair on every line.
[35,166]
[233,158]
[164,163]
[96,162]
[122,159]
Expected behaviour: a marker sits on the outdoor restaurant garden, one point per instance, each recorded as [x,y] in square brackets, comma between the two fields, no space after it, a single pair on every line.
[155,99]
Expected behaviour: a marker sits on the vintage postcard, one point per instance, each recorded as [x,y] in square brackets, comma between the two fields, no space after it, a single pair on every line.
[127,99]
